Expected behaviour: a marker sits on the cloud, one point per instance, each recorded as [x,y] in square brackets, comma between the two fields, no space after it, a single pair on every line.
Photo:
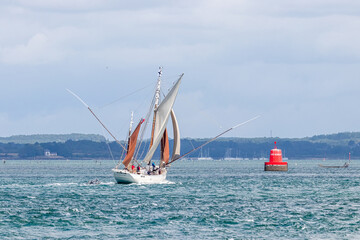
[37,50]
[77,6]
[240,58]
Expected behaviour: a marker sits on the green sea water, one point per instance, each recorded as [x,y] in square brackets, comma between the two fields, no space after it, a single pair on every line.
[200,200]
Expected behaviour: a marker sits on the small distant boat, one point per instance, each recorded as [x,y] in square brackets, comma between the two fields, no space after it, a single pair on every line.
[228,156]
[204,158]
[94,181]
[341,166]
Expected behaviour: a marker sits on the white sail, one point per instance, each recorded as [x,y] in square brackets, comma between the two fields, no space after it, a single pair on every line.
[176,148]
[162,114]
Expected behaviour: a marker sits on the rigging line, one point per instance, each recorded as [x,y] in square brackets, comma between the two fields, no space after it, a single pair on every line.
[143,133]
[164,85]
[146,146]
[121,156]
[111,154]
[140,141]
[107,143]
[127,139]
[191,143]
[211,140]
[214,120]
[170,76]
[125,96]
[142,103]
[87,106]
[144,129]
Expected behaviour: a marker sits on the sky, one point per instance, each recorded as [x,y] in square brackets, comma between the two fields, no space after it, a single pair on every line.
[294,63]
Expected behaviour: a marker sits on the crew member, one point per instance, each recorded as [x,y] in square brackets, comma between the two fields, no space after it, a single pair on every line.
[133,168]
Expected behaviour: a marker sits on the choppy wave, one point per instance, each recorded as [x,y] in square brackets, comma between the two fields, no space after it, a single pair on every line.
[200,200]
[62,184]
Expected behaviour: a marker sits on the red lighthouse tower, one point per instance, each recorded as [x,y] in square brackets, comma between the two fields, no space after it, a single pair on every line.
[275,163]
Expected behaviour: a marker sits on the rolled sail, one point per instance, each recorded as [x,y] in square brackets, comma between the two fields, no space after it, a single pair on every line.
[176,147]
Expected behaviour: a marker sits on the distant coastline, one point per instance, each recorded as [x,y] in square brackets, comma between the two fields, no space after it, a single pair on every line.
[44,138]
[92,146]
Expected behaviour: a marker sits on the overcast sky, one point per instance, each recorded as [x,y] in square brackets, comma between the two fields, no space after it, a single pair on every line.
[295,63]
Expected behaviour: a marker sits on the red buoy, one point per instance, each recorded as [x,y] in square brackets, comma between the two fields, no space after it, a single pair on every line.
[275,162]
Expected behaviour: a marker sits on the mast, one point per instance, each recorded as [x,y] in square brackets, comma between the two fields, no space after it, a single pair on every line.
[131,123]
[157,99]
[130,127]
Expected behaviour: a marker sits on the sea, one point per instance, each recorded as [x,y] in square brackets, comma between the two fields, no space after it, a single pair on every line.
[200,200]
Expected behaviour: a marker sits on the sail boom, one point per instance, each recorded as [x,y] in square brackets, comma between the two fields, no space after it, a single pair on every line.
[213,139]
[96,117]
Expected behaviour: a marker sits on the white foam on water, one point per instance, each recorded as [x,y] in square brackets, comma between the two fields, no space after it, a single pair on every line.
[15,185]
[37,185]
[59,184]
[107,183]
[249,220]
[162,182]
[75,210]
[97,184]
[135,206]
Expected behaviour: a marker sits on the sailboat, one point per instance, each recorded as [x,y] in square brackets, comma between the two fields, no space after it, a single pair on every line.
[228,156]
[161,110]
[152,173]
[203,158]
[346,164]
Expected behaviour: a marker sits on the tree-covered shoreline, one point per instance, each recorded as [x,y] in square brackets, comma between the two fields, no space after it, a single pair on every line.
[335,146]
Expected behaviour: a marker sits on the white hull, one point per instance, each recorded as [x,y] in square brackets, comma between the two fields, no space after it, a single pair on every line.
[125,177]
